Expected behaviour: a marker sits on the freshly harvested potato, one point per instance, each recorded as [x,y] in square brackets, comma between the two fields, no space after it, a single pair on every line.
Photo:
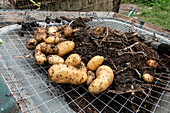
[52,30]
[65,47]
[82,67]
[40,57]
[104,78]
[32,43]
[47,48]
[57,34]
[39,30]
[41,36]
[152,63]
[55,59]
[62,73]
[52,40]
[68,31]
[73,60]
[147,77]
[95,62]
[91,77]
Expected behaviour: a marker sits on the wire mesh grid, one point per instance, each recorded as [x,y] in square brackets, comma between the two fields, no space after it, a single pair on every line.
[34,92]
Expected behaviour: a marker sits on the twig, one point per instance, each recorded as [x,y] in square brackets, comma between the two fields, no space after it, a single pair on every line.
[113,64]
[139,52]
[124,69]
[24,56]
[95,41]
[107,33]
[125,91]
[131,46]
[149,86]
[160,80]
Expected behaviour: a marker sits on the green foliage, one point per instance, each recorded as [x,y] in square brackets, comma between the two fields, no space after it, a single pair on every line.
[158,15]
[1,41]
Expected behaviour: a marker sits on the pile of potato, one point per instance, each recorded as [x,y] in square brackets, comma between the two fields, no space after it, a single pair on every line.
[50,47]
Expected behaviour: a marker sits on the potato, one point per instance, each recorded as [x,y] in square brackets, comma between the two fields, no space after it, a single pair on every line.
[55,59]
[68,31]
[47,48]
[52,30]
[73,60]
[40,57]
[91,77]
[147,77]
[39,30]
[104,78]
[62,73]
[41,37]
[32,43]
[57,34]
[152,63]
[52,40]
[82,67]
[95,62]
[65,47]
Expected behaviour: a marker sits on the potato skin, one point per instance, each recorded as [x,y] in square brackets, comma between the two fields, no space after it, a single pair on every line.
[62,73]
[91,77]
[152,63]
[55,59]
[73,60]
[41,36]
[52,40]
[82,67]
[68,31]
[39,30]
[32,43]
[40,57]
[46,48]
[95,62]
[104,78]
[65,47]
[147,77]
[52,30]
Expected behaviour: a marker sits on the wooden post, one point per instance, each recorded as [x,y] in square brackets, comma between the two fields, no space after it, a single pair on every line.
[116,5]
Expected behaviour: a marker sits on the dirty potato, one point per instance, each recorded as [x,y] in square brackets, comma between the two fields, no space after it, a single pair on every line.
[62,73]
[68,31]
[32,43]
[40,57]
[95,62]
[73,60]
[39,30]
[147,77]
[52,30]
[41,37]
[152,63]
[65,47]
[91,77]
[58,34]
[104,78]
[55,59]
[46,48]
[82,67]
[52,40]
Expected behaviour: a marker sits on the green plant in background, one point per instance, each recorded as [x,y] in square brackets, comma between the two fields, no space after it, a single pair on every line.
[1,41]
[34,4]
[154,11]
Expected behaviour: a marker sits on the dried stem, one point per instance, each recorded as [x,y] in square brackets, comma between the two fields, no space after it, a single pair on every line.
[113,64]
[107,33]
[131,46]
[125,91]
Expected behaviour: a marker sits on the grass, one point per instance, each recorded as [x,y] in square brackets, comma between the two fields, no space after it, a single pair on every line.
[158,15]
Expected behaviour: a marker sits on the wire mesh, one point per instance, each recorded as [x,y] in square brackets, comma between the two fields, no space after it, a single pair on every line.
[34,92]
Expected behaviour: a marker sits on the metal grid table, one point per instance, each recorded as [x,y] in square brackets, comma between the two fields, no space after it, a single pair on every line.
[34,92]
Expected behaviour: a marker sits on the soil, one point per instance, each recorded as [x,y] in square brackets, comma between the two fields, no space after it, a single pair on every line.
[123,52]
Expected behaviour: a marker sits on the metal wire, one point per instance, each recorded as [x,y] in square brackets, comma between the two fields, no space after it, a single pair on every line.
[28,81]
